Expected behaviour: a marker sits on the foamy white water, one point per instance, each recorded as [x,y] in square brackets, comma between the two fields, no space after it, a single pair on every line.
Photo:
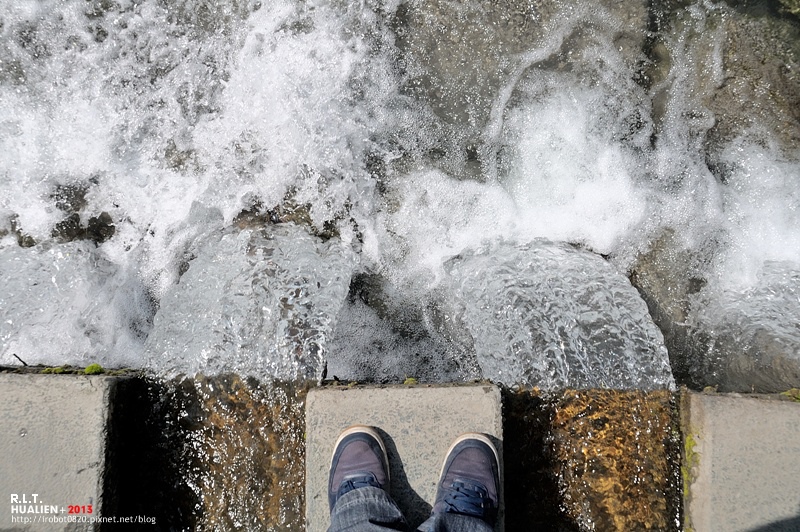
[405,148]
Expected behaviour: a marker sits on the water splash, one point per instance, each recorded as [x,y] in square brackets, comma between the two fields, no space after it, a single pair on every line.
[601,124]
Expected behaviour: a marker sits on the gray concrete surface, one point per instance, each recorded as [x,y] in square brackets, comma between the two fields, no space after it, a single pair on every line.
[418,422]
[743,461]
[52,449]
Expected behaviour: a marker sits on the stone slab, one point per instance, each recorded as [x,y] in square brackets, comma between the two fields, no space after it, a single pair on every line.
[418,424]
[742,457]
[52,443]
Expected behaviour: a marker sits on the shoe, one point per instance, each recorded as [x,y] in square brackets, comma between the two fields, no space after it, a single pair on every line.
[359,460]
[470,479]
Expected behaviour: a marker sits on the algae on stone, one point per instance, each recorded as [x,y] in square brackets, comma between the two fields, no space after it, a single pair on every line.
[93,369]
[614,452]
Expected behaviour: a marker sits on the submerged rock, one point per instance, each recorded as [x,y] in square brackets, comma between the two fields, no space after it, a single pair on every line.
[617,456]
[249,453]
[552,316]
[591,460]
[209,453]
[792,6]
[258,302]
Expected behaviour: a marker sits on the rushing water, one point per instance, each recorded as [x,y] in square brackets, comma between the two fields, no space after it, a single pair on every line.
[418,188]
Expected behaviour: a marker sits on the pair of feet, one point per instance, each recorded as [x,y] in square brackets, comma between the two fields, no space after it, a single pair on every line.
[468,483]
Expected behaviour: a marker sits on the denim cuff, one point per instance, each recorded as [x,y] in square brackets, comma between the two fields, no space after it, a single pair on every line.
[366,509]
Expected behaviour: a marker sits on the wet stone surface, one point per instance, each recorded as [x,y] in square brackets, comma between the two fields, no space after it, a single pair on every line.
[221,453]
[592,460]
[249,442]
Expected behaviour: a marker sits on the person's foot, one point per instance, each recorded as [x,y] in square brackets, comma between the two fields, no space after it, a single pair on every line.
[359,460]
[470,479]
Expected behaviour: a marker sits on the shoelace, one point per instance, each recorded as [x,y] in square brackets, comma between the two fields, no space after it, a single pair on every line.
[468,498]
[352,482]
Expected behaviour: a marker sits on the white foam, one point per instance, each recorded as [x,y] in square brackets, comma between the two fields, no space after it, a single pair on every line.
[570,181]
[177,128]
[69,305]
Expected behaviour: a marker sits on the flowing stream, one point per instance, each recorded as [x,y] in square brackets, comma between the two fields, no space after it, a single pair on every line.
[542,193]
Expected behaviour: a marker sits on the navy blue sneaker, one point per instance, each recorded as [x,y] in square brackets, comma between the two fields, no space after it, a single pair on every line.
[359,460]
[470,479]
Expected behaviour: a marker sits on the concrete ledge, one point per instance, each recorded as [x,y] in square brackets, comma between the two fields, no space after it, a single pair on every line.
[579,460]
[741,463]
[53,444]
[418,423]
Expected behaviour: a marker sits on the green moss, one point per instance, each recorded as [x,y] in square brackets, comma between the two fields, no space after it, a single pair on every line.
[53,370]
[93,369]
[691,459]
[793,394]
[410,381]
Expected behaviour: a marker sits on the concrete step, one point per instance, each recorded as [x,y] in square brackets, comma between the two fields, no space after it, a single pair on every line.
[741,463]
[52,449]
[213,452]
[418,424]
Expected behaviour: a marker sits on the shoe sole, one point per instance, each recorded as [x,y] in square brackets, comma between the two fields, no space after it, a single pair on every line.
[472,436]
[372,432]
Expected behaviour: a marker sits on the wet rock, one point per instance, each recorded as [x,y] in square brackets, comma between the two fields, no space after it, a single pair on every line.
[667,276]
[454,54]
[100,228]
[13,72]
[206,17]
[69,229]
[257,215]
[181,160]
[736,342]
[743,77]
[459,56]
[250,453]
[24,240]
[70,198]
[761,82]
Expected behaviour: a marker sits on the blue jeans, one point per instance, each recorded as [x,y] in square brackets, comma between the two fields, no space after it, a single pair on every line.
[371,509]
